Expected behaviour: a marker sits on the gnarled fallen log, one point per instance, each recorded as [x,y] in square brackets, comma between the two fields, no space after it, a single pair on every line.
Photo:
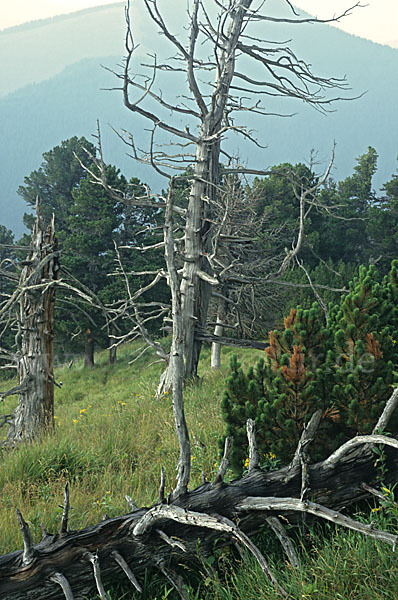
[72,564]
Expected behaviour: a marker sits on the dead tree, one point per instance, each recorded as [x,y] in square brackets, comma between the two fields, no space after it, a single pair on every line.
[249,278]
[210,110]
[89,349]
[166,536]
[244,281]
[31,307]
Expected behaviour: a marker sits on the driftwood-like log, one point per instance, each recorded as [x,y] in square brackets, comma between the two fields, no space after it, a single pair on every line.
[165,536]
[59,566]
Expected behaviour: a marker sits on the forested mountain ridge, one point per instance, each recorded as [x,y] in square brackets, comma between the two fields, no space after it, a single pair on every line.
[38,116]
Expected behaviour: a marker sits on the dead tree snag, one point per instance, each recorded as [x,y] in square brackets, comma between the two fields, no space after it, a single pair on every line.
[215,91]
[33,300]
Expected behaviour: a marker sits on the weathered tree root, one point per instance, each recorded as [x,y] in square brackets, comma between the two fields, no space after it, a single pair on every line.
[74,564]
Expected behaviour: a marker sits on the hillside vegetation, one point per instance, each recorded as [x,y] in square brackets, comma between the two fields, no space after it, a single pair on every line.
[111,439]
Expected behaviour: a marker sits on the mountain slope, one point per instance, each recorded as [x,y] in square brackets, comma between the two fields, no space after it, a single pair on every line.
[39,50]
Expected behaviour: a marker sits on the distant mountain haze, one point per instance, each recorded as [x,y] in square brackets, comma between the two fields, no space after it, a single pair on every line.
[52,88]
[39,50]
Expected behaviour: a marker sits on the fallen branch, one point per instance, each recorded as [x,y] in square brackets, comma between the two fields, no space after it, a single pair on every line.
[143,537]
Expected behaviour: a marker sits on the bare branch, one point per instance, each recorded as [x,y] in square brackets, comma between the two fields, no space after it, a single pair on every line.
[289,504]
[124,566]
[29,552]
[331,462]
[306,438]
[387,412]
[93,558]
[377,494]
[253,451]
[65,512]
[284,539]
[162,484]
[158,513]
[61,580]
[222,469]
[170,541]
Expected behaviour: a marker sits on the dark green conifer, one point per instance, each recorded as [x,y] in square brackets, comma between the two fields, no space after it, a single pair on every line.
[365,341]
[345,368]
[283,390]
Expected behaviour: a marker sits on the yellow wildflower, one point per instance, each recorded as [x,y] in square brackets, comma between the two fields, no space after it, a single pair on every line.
[75,420]
[386,490]
[247,463]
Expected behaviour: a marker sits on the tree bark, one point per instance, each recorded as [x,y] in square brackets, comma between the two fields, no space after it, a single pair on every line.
[35,319]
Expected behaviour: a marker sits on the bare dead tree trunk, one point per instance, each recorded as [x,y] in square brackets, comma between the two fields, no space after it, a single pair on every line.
[176,360]
[35,319]
[218,330]
[112,344]
[89,349]
[209,115]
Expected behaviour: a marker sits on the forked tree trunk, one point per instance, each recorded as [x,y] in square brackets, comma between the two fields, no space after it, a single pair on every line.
[35,318]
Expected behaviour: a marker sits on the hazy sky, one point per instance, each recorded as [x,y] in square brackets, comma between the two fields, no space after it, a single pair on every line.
[377,21]
[15,12]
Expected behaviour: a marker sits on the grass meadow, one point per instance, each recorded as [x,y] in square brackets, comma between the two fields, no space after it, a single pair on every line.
[111,438]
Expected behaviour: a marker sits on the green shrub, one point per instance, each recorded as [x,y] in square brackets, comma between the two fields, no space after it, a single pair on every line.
[344,367]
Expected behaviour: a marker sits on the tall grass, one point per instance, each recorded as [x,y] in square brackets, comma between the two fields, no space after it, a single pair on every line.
[111,438]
